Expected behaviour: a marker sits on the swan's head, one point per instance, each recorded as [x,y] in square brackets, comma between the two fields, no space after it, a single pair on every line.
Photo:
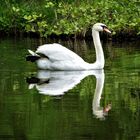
[100,27]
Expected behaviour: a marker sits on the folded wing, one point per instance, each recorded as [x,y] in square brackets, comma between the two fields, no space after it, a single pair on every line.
[56,52]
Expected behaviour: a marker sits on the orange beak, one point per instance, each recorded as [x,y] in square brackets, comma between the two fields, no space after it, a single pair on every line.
[107,30]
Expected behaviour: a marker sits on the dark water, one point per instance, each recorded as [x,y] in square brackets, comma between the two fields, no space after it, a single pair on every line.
[96,105]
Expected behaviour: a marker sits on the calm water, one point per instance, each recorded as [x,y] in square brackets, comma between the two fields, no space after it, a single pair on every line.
[95,105]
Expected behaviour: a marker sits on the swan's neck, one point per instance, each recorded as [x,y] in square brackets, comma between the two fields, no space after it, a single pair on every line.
[98,49]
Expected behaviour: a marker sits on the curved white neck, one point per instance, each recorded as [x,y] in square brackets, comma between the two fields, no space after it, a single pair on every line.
[98,48]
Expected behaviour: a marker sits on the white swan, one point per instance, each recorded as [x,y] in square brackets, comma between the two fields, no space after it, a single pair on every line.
[56,57]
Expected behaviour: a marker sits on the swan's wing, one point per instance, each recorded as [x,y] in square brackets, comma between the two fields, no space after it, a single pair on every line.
[56,52]
[32,53]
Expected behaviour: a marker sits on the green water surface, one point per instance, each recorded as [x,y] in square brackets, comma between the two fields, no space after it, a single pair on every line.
[27,114]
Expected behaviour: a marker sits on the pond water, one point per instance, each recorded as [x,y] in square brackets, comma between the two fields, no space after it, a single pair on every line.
[40,105]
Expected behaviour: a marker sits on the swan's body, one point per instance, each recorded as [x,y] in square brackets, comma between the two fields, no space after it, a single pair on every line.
[57,57]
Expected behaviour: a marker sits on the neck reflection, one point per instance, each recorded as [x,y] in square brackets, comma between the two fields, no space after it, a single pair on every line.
[98,111]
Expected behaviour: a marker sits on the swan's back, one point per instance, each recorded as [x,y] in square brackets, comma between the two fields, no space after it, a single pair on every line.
[56,52]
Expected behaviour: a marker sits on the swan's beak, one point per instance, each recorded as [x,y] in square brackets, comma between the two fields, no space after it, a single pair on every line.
[107,30]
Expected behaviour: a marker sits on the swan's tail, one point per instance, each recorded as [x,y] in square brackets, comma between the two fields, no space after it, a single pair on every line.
[33,57]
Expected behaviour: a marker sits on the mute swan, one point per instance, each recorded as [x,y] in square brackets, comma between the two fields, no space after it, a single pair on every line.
[56,57]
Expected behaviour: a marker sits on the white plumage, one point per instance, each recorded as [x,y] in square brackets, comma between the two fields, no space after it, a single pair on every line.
[57,57]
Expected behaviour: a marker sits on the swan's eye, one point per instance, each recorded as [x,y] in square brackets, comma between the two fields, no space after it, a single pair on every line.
[104,27]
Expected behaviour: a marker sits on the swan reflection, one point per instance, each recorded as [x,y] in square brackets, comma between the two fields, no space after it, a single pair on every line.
[98,111]
[55,83]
